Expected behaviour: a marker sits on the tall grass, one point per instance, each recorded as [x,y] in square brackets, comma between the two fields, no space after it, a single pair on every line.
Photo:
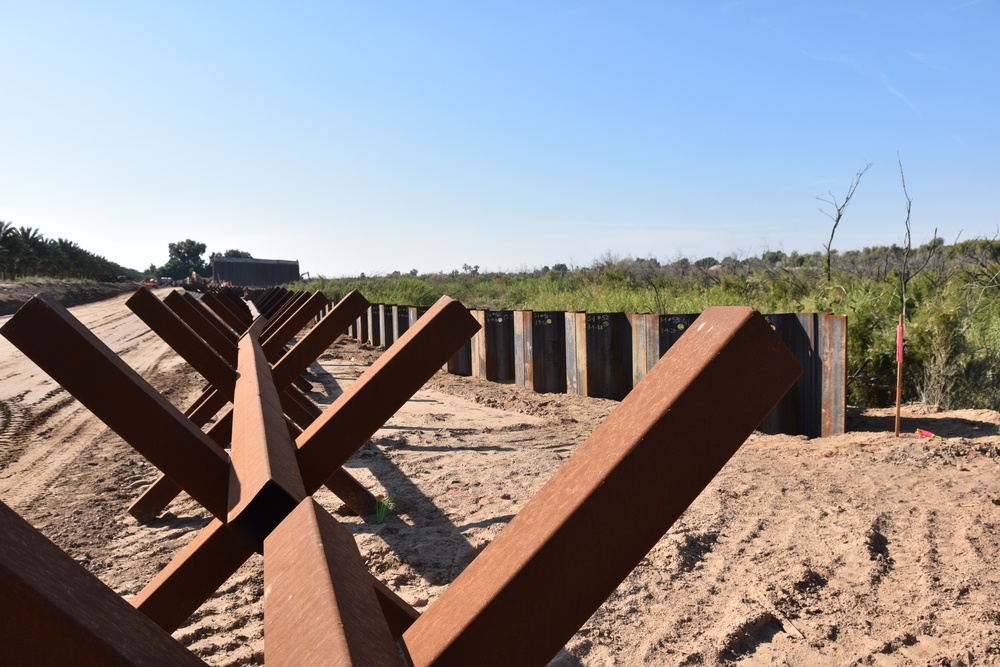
[953,306]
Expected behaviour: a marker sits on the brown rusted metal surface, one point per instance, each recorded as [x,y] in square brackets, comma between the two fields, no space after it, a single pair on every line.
[576,353]
[212,334]
[530,590]
[73,356]
[357,497]
[194,574]
[210,315]
[833,354]
[56,613]
[277,336]
[264,483]
[375,396]
[397,612]
[237,321]
[183,340]
[319,605]
[287,308]
[354,494]
[299,409]
[235,301]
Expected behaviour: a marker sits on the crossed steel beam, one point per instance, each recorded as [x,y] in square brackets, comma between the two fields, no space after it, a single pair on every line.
[66,350]
[212,351]
[540,579]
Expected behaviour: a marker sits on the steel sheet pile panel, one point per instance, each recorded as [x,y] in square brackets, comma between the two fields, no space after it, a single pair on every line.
[374,326]
[319,604]
[817,405]
[543,576]
[57,613]
[415,313]
[671,328]
[645,344]
[361,328]
[73,356]
[576,353]
[461,362]
[400,321]
[540,350]
[833,346]
[608,355]
[493,346]
[386,325]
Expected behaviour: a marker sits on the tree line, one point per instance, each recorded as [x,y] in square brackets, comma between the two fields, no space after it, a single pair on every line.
[24,252]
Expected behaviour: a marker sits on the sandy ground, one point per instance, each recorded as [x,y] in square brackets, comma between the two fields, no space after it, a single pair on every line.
[856,549]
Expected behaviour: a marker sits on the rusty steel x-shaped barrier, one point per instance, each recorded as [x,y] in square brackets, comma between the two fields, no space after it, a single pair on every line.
[539,580]
[212,351]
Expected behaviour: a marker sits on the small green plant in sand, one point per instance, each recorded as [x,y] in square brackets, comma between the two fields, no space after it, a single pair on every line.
[383,505]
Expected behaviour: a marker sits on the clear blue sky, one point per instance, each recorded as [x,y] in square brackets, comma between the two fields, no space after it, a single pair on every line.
[376,136]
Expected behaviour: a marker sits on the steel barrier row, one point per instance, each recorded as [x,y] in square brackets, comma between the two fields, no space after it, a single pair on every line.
[525,595]
[575,541]
[357,497]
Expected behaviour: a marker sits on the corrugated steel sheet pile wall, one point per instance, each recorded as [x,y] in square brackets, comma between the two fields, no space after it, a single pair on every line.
[254,272]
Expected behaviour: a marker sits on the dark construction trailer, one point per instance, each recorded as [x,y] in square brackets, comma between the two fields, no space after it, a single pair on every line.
[254,272]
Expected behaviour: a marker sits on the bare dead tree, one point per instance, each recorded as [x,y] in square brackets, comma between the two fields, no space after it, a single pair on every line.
[838,213]
[905,273]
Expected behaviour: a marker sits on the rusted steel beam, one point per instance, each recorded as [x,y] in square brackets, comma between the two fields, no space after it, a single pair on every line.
[299,409]
[319,604]
[158,495]
[352,493]
[75,358]
[236,302]
[192,576]
[208,408]
[264,484]
[375,396]
[212,334]
[269,306]
[294,300]
[237,321]
[183,340]
[287,308]
[319,338]
[276,337]
[57,613]
[544,575]
[211,316]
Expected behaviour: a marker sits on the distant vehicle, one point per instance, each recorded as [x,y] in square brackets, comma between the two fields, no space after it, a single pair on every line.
[151,283]
[166,282]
